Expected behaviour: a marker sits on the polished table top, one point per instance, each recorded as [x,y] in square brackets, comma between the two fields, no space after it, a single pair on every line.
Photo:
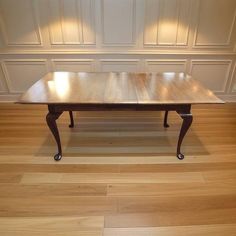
[118,88]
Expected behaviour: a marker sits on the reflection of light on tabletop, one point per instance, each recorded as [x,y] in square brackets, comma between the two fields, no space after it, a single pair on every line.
[195,88]
[164,90]
[210,93]
[153,80]
[124,77]
[51,85]
[60,83]
[82,75]
[169,75]
[182,75]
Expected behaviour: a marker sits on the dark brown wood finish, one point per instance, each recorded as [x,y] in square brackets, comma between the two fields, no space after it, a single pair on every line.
[71,125]
[67,91]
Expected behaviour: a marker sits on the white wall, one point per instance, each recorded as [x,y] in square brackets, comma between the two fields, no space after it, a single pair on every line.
[195,36]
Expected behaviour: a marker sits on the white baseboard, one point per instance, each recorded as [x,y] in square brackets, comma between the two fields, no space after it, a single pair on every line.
[228,98]
[9,97]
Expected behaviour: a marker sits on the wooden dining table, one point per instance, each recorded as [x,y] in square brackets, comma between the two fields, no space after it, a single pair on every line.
[98,91]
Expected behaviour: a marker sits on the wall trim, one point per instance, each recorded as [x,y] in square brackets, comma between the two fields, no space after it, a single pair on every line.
[115,52]
[89,62]
[213,45]
[25,61]
[213,62]
[166,62]
[9,97]
[175,44]
[80,26]
[37,31]
[227,98]
[3,83]
[232,80]
[132,43]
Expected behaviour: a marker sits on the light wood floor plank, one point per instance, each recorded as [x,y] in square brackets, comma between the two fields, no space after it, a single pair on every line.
[196,230]
[171,218]
[172,189]
[193,177]
[57,206]
[52,190]
[91,225]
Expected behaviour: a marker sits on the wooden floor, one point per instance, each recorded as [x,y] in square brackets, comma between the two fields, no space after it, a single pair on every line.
[119,175]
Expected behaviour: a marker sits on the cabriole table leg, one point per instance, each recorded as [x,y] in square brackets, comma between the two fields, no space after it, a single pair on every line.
[187,121]
[71,119]
[165,120]
[51,118]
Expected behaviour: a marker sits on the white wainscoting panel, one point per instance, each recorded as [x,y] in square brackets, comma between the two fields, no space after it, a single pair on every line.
[21,74]
[19,25]
[233,82]
[113,65]
[118,21]
[167,22]
[215,23]
[88,21]
[165,65]
[3,87]
[71,22]
[74,65]
[214,74]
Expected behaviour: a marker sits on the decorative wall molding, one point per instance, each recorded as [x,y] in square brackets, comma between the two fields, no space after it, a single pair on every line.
[21,78]
[75,65]
[119,65]
[233,81]
[227,43]
[9,97]
[124,30]
[227,97]
[80,30]
[165,65]
[206,74]
[116,52]
[3,86]
[31,10]
[172,27]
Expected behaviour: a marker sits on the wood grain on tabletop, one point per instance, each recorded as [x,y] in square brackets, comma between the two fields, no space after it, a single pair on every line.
[118,88]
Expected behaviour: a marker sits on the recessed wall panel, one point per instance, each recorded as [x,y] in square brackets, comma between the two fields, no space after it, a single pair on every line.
[167,22]
[71,22]
[18,22]
[73,65]
[118,21]
[166,66]
[88,21]
[3,87]
[212,74]
[119,65]
[215,23]
[21,74]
